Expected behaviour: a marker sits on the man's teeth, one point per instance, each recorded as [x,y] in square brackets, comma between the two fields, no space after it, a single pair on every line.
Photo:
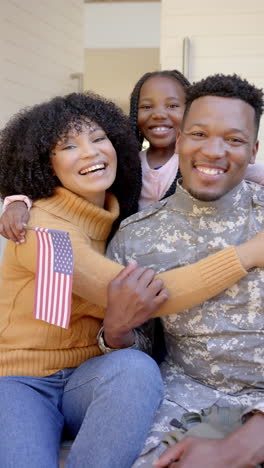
[210,171]
[96,167]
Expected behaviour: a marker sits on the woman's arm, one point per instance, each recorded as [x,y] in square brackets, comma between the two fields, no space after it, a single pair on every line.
[193,284]
[121,316]
[187,286]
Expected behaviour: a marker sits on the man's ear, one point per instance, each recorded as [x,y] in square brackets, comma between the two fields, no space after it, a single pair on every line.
[254,153]
[178,138]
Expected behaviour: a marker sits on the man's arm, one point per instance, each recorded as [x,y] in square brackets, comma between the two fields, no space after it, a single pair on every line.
[244,448]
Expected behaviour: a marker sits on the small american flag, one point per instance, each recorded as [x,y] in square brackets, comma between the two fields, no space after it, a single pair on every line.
[53,277]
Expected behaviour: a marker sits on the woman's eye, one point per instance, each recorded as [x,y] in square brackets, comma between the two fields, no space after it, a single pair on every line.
[98,139]
[197,134]
[68,147]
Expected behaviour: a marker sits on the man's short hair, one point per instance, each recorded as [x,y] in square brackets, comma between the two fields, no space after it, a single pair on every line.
[230,86]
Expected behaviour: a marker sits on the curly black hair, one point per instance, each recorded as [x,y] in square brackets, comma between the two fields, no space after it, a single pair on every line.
[134,99]
[232,86]
[28,139]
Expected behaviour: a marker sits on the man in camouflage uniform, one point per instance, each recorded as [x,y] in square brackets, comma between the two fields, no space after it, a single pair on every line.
[215,351]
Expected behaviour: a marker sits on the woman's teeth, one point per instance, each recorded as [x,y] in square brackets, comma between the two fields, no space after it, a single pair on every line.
[94,168]
[160,129]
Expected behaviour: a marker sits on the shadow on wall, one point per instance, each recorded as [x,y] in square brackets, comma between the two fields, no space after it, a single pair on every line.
[2,240]
[2,246]
[114,72]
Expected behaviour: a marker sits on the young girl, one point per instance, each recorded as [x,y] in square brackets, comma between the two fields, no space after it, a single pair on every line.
[156,108]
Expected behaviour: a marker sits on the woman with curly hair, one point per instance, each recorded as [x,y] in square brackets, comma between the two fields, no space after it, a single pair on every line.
[65,155]
[76,158]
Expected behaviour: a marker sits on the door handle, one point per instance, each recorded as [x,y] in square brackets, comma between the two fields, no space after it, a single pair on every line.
[186,47]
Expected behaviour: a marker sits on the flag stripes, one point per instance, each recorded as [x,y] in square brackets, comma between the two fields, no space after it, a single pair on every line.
[53,287]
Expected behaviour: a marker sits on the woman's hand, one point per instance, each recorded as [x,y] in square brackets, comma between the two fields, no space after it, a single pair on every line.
[133,296]
[12,221]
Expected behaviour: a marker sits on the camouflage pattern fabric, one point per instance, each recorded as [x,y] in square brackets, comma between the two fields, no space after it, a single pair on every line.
[215,350]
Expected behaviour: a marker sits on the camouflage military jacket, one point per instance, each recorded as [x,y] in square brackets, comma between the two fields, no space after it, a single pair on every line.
[220,343]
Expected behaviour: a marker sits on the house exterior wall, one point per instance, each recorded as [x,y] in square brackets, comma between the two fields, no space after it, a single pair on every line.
[122,25]
[225,37]
[41,44]
[122,66]
[122,49]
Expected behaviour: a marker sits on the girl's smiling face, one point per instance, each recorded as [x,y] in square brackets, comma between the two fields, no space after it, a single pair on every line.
[85,162]
[160,110]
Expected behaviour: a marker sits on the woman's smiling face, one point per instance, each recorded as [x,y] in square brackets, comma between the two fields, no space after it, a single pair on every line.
[85,162]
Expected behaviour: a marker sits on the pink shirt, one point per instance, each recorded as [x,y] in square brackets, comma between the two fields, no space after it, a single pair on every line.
[156,182]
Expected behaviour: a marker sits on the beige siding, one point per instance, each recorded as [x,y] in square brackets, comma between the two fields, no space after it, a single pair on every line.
[226,37]
[41,44]
[114,72]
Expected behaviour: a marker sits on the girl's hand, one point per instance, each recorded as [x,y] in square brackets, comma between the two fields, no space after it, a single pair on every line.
[133,296]
[12,221]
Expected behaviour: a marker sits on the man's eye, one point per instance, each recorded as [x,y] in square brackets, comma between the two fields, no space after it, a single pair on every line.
[234,140]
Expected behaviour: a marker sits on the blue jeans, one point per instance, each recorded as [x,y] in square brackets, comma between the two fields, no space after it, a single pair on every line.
[107,405]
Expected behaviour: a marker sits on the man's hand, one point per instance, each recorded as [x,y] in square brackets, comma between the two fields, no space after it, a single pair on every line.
[243,448]
[133,296]
[12,220]
[200,453]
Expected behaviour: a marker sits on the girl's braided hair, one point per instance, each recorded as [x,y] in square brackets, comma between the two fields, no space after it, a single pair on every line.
[173,74]
[134,99]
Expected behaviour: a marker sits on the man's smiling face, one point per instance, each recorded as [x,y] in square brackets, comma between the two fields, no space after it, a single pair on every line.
[217,142]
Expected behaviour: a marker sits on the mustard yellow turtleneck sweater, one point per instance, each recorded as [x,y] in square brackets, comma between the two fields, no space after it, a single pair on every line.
[33,347]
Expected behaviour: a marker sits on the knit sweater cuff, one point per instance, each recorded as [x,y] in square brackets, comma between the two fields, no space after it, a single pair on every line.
[221,269]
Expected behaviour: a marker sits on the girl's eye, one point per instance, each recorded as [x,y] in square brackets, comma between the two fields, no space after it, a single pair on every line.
[173,106]
[68,147]
[146,107]
[197,134]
